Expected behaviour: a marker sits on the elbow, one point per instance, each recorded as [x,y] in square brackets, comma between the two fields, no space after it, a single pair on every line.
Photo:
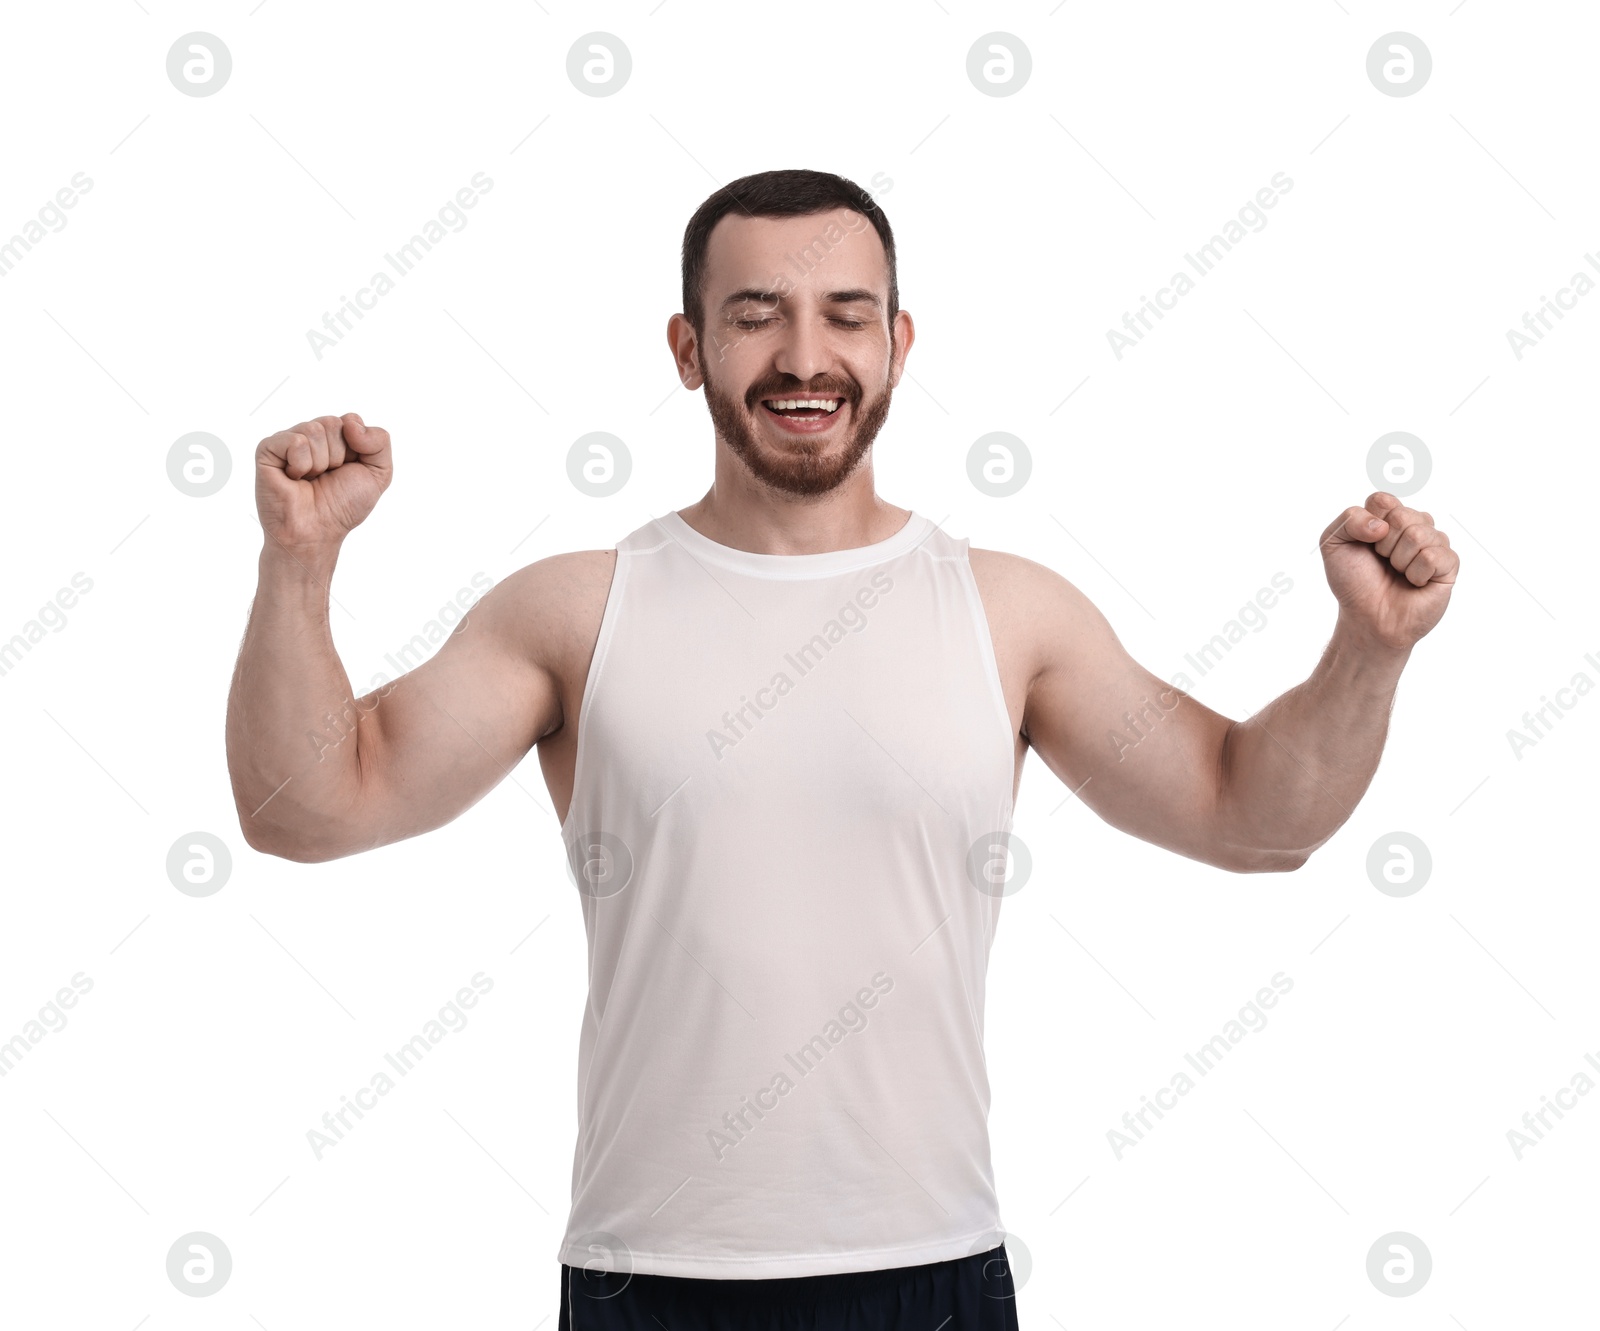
[285,843]
[257,835]
[302,831]
[1282,861]
[1263,859]
[264,842]
[298,853]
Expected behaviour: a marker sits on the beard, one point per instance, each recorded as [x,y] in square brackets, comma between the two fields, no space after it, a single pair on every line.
[805,465]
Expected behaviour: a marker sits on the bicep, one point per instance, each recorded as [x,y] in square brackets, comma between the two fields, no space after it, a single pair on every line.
[433,742]
[1146,757]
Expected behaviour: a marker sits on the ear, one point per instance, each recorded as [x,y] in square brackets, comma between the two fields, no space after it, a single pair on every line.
[905,333]
[685,346]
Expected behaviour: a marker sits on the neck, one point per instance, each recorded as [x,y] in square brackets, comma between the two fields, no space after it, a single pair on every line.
[739,512]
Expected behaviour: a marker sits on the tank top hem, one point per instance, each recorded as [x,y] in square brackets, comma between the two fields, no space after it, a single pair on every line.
[795,1264]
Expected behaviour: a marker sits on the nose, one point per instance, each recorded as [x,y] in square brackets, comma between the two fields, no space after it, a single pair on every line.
[802,352]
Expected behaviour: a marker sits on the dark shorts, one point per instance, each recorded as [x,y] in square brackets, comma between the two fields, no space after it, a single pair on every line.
[973,1293]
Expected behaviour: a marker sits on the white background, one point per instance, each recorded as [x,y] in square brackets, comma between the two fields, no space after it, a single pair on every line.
[1170,487]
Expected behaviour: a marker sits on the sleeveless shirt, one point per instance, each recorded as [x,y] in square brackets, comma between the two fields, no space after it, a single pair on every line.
[788,831]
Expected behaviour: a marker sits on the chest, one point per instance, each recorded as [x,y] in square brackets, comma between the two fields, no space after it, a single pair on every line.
[869,723]
[903,677]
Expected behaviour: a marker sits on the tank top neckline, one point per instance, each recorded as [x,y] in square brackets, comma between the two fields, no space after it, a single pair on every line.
[824,563]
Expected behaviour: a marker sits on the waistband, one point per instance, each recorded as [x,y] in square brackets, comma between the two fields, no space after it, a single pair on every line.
[779,1289]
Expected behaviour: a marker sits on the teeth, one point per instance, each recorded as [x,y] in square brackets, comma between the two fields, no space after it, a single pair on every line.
[829,405]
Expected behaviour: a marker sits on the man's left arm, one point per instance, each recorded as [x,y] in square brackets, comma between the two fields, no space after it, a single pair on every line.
[1254,796]
[1292,773]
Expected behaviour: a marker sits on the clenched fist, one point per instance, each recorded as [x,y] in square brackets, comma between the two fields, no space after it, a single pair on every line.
[1390,569]
[317,481]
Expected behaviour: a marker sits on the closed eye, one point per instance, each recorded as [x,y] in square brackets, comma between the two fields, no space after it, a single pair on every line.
[750,325]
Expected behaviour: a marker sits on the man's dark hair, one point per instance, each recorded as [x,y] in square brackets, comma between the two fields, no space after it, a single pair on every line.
[796,193]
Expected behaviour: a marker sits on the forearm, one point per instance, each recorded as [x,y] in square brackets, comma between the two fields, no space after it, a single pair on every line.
[291,723]
[1292,774]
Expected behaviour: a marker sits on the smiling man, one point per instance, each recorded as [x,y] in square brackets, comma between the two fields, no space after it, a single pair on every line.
[784,728]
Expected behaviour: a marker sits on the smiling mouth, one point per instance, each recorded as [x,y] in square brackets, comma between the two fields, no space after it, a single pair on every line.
[803,408]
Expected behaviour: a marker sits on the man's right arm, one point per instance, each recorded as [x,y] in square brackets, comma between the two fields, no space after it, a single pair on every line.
[318,773]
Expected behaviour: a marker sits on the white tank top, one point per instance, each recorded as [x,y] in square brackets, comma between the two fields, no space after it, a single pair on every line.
[793,790]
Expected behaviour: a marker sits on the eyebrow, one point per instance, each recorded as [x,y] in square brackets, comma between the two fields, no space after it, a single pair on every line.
[854,296]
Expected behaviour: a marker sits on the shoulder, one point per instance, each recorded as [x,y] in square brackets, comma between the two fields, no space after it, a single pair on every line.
[569,581]
[549,611]
[571,574]
[1019,588]
[1036,616]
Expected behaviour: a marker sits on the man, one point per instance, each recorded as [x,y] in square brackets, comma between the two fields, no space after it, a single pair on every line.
[784,728]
